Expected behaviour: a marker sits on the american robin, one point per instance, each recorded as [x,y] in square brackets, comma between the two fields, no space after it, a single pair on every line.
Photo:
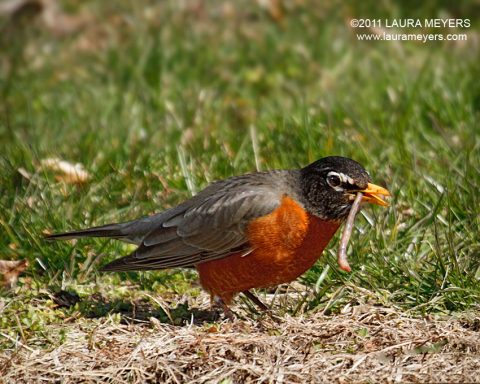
[256,230]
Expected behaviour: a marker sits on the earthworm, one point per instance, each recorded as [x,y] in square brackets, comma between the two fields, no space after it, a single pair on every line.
[347,232]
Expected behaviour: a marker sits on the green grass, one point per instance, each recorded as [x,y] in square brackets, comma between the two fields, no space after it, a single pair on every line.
[156,101]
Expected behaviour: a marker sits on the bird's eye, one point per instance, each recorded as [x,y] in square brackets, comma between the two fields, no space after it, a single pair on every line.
[333,180]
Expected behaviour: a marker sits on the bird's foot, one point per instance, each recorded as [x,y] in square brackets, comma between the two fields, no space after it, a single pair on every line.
[263,308]
[254,299]
[226,310]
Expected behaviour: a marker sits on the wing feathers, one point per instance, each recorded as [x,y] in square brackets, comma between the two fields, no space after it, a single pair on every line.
[160,236]
[209,226]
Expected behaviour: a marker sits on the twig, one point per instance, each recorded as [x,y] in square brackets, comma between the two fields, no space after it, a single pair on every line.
[17,342]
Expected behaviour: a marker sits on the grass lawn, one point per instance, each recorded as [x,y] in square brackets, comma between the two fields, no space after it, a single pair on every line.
[157,99]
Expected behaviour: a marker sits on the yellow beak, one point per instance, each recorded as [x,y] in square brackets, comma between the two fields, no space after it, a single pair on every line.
[374,194]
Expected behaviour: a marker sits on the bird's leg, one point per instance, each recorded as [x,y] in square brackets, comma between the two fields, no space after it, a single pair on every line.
[256,301]
[227,311]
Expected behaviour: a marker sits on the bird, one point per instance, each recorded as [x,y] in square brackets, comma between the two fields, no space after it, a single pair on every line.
[255,230]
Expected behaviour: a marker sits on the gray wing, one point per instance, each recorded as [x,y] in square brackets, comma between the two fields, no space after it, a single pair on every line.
[209,226]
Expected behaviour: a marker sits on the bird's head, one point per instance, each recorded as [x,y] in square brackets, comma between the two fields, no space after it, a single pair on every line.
[330,186]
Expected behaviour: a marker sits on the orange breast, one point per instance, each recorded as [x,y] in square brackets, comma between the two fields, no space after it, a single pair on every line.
[285,243]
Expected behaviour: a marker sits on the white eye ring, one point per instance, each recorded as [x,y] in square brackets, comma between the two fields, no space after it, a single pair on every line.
[335,180]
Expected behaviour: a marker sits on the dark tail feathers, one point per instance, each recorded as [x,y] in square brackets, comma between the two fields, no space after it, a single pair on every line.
[109,230]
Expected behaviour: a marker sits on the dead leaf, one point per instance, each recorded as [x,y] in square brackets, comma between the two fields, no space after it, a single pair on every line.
[155,323]
[65,171]
[274,9]
[47,232]
[48,11]
[9,271]
[212,329]
[24,173]
[14,8]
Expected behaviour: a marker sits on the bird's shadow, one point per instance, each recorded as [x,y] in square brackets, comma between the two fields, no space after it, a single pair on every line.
[137,311]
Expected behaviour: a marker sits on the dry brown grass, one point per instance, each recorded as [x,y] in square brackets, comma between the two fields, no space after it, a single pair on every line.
[365,343]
